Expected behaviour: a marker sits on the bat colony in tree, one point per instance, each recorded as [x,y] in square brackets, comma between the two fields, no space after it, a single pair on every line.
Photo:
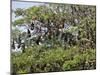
[50,31]
[56,37]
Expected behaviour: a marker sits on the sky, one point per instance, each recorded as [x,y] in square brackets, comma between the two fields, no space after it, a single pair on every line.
[20,4]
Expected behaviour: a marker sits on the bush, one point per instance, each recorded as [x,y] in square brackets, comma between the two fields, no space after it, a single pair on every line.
[52,60]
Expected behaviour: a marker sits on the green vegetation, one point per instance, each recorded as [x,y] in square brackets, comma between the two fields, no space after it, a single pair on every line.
[62,56]
[37,59]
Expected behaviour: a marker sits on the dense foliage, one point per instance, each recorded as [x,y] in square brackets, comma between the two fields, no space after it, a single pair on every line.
[38,59]
[61,55]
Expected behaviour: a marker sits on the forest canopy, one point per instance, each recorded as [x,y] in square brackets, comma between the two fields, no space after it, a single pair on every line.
[64,38]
